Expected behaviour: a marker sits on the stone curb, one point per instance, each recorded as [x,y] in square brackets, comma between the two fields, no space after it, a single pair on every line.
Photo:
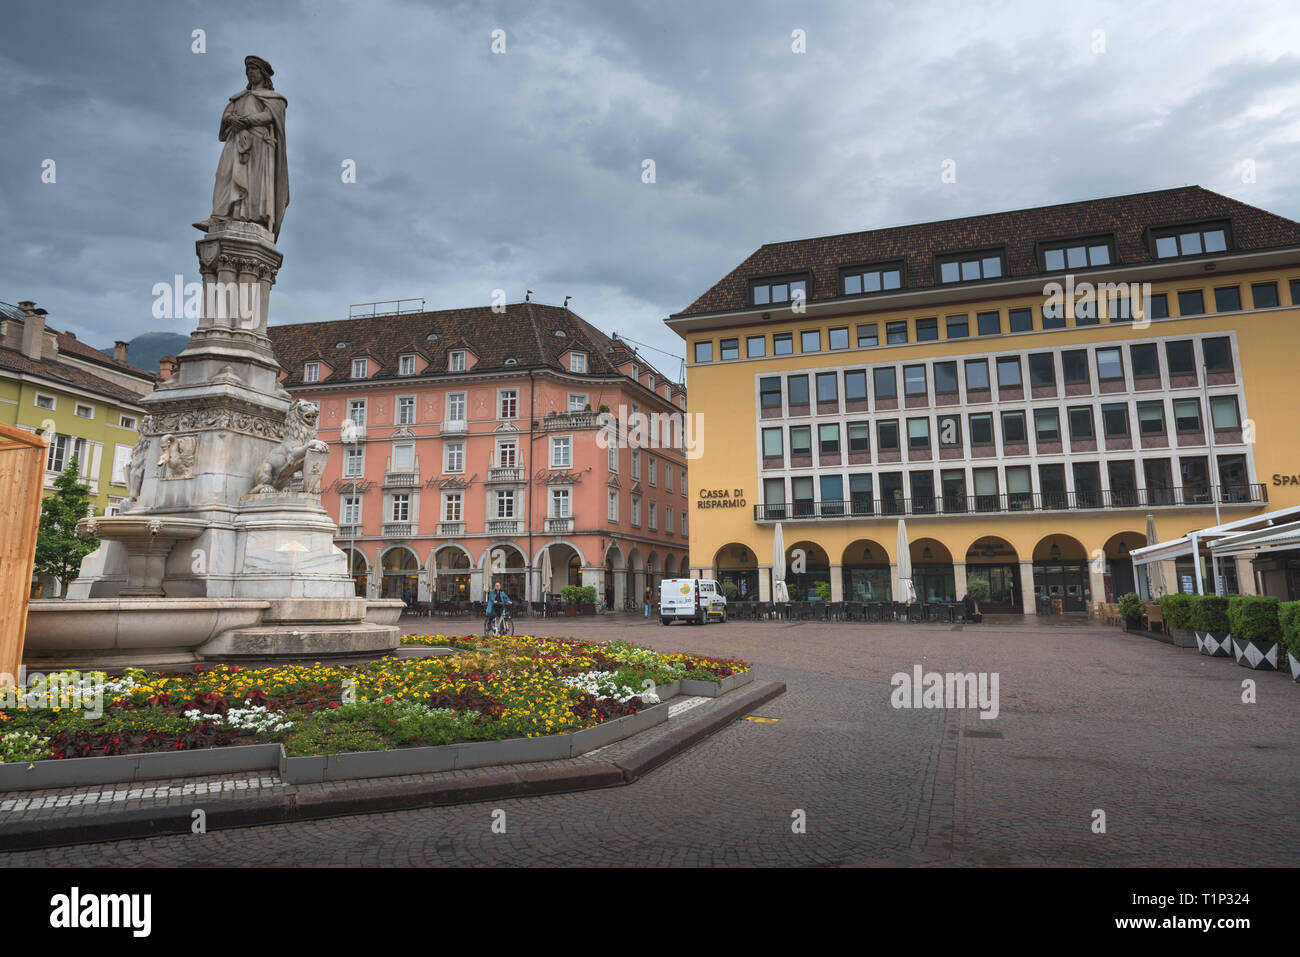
[381,794]
[650,756]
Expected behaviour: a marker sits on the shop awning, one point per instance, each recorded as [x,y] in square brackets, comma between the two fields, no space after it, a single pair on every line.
[1219,538]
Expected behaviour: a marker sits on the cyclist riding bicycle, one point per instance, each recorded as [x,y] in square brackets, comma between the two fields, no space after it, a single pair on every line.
[498,614]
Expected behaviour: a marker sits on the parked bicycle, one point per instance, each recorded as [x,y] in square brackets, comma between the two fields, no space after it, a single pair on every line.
[499,624]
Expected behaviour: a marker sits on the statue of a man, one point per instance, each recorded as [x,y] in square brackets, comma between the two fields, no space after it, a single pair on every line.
[252,176]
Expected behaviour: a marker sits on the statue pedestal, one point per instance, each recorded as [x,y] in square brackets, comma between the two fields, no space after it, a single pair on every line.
[197,531]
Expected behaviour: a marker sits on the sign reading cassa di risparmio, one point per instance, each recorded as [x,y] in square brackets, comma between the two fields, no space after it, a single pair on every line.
[721,498]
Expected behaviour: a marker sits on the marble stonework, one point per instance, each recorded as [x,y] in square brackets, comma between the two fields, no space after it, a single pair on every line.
[225,478]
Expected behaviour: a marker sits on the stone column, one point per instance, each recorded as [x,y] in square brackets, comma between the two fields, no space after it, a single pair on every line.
[620,589]
[837,583]
[959,580]
[1027,588]
[764,582]
[1097,581]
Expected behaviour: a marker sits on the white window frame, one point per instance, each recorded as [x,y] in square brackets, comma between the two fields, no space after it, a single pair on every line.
[636,464]
[121,460]
[613,505]
[457,361]
[44,395]
[127,422]
[354,453]
[350,510]
[668,519]
[512,397]
[577,401]
[505,504]
[668,478]
[58,452]
[561,443]
[652,471]
[463,398]
[311,372]
[363,365]
[402,448]
[354,406]
[613,455]
[453,507]
[406,364]
[504,446]
[399,507]
[561,502]
[453,451]
[578,363]
[636,510]
[401,399]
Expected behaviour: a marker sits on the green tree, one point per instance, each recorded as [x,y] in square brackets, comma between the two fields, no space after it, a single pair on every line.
[58,550]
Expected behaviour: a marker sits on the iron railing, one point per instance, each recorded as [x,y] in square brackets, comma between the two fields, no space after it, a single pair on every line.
[866,506]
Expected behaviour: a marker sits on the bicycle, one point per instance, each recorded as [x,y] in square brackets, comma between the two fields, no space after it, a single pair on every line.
[500,625]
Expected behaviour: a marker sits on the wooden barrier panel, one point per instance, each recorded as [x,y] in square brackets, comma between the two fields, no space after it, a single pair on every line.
[22,475]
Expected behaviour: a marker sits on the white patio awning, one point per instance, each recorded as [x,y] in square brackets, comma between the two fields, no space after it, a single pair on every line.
[1209,538]
[1255,541]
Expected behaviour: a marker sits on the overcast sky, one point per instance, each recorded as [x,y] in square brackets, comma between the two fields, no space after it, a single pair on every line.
[523,170]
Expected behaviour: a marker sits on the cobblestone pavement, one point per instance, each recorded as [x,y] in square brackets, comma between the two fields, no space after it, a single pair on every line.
[1091,719]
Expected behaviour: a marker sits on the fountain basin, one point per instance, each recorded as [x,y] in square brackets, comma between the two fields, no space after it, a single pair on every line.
[128,631]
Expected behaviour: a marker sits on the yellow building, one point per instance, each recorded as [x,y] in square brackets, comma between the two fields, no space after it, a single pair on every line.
[1023,389]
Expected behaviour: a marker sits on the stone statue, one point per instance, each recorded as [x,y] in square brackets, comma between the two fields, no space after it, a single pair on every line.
[178,456]
[135,469]
[253,175]
[276,473]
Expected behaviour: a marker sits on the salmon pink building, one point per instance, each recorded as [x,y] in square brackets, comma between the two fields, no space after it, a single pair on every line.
[469,446]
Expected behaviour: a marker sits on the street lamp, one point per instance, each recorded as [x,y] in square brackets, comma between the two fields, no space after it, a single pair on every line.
[352,436]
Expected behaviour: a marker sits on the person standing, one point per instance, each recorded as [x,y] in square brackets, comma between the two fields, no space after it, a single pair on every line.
[648,594]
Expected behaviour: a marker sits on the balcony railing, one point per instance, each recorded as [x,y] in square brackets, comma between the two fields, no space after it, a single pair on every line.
[866,506]
[559,526]
[350,531]
[570,420]
[399,529]
[451,529]
[504,526]
[453,427]
[406,478]
[505,474]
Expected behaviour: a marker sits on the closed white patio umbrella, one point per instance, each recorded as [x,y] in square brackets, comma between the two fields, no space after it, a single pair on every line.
[546,574]
[1155,570]
[906,590]
[779,591]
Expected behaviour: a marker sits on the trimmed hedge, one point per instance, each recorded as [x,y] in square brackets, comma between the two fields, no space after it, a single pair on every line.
[1254,617]
[1210,614]
[1288,615]
[1131,606]
[1177,610]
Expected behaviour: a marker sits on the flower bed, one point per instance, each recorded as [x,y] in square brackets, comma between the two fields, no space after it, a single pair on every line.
[492,689]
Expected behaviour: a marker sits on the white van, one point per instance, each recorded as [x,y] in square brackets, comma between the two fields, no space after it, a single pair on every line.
[696,600]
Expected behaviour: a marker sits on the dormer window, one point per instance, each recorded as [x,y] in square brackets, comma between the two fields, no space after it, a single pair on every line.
[406,365]
[1192,240]
[359,368]
[1076,254]
[972,266]
[456,360]
[311,372]
[776,291]
[857,280]
[578,362]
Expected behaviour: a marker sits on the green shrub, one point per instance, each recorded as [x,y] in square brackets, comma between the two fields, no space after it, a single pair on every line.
[1210,614]
[1288,616]
[571,594]
[823,590]
[1177,610]
[978,588]
[1131,606]
[1254,618]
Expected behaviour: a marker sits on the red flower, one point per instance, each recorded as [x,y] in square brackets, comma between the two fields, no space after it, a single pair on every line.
[388,699]
[334,704]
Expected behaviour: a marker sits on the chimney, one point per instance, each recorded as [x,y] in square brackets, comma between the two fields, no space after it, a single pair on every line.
[119,351]
[33,329]
[167,366]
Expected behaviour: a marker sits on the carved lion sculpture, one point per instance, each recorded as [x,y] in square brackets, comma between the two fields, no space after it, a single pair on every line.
[276,473]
